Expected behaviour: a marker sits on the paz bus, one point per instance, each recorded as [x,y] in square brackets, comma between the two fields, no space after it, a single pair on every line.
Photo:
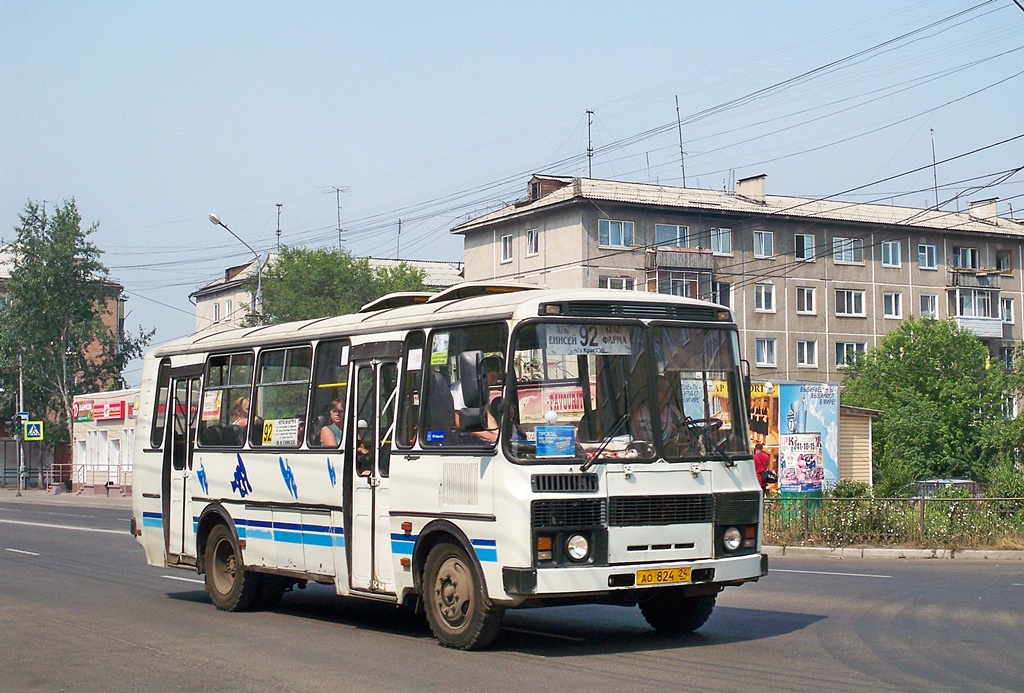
[485,448]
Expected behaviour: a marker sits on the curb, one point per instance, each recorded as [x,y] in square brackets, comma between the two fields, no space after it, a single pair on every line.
[9,495]
[906,553]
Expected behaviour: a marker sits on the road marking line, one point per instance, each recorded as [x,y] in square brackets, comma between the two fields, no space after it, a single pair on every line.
[76,529]
[823,572]
[181,579]
[27,553]
[543,634]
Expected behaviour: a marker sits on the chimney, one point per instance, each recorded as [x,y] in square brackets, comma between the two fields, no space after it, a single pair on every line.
[984,210]
[752,188]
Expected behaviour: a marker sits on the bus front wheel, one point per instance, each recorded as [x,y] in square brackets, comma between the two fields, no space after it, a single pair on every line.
[454,600]
[672,612]
[231,587]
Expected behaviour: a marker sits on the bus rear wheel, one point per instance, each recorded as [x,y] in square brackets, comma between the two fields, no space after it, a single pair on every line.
[231,587]
[453,596]
[673,612]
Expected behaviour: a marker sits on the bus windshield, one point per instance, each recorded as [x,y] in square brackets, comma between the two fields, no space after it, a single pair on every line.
[596,390]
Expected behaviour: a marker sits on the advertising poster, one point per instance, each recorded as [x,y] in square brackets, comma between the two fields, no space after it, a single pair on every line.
[811,408]
[801,467]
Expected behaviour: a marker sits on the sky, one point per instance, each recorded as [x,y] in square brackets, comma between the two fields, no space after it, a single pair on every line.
[154,115]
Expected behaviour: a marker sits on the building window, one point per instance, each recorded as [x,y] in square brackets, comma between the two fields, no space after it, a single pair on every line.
[891,254]
[892,305]
[927,256]
[848,352]
[974,303]
[805,300]
[804,244]
[807,353]
[532,244]
[1004,261]
[848,250]
[216,312]
[678,283]
[764,244]
[966,258]
[671,235]
[506,248]
[626,283]
[1006,310]
[721,293]
[764,352]
[764,298]
[227,311]
[929,306]
[1006,357]
[721,241]
[617,234]
[849,302]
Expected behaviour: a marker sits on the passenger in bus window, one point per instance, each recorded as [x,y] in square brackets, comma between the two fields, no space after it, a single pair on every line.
[330,435]
[240,416]
[492,367]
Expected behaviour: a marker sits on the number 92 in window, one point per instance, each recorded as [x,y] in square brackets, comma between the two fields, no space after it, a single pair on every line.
[571,340]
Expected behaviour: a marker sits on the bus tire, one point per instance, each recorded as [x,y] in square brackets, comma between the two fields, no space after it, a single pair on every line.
[459,615]
[231,587]
[673,612]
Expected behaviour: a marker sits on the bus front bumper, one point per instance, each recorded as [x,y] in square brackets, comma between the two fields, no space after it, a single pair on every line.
[588,579]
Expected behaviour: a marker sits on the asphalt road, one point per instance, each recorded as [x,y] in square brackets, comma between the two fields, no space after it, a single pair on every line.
[81,611]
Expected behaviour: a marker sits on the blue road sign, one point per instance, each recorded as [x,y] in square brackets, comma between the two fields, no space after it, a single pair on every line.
[33,430]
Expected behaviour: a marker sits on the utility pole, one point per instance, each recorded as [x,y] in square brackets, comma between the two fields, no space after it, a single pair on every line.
[590,148]
[679,127]
[935,174]
[22,472]
[278,228]
[398,243]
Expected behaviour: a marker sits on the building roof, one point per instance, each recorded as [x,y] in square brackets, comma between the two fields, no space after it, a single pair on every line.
[664,196]
[438,274]
[233,279]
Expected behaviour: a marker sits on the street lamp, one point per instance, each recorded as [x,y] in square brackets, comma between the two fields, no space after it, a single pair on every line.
[257,301]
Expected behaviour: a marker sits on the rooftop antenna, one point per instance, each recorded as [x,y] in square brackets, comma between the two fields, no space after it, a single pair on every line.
[590,148]
[337,192]
[278,228]
[935,175]
[679,127]
[398,243]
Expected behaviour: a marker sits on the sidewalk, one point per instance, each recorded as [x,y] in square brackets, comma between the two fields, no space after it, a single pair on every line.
[876,552]
[9,494]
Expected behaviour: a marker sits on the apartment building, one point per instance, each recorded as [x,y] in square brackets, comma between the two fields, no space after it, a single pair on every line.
[811,282]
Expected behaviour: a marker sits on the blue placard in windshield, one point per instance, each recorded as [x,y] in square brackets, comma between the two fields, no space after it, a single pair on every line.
[556,441]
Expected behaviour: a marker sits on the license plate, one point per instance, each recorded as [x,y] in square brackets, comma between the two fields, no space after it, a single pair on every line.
[662,576]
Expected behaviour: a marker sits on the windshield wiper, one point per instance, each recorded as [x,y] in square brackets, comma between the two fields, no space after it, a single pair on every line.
[605,441]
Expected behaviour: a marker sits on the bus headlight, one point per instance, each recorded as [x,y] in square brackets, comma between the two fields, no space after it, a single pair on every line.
[732,538]
[577,547]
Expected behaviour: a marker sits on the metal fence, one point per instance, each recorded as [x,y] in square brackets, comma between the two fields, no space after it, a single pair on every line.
[949,523]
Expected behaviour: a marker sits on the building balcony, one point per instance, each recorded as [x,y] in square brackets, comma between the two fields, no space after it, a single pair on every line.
[697,259]
[983,328]
[972,278]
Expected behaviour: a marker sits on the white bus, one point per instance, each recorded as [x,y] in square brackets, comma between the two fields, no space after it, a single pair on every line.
[480,449]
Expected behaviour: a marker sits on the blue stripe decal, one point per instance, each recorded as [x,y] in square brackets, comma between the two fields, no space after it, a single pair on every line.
[483,542]
[155,522]
[402,544]
[158,516]
[260,534]
[487,555]
[287,537]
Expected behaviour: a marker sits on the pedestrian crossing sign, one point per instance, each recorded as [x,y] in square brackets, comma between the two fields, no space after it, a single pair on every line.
[33,430]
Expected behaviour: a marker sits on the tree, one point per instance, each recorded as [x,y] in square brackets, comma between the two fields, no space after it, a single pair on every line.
[57,295]
[943,404]
[302,284]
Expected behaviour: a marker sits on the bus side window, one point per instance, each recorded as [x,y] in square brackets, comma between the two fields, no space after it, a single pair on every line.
[160,405]
[225,411]
[330,395]
[278,416]
[409,407]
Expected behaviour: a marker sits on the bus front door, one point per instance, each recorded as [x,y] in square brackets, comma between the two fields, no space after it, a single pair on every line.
[181,437]
[372,426]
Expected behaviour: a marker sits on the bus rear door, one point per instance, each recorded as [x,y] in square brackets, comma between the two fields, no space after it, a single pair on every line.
[177,464]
